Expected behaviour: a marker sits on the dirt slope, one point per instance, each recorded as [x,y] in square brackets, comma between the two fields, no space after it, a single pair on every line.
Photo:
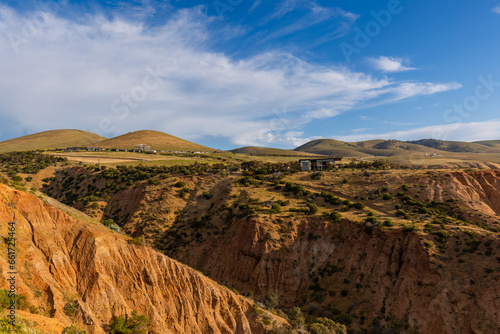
[61,259]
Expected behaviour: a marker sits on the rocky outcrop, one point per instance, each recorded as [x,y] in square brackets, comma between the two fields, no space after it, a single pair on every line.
[387,277]
[479,190]
[63,260]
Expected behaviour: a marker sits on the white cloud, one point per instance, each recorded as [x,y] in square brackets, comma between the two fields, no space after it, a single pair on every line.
[468,132]
[80,74]
[496,9]
[389,64]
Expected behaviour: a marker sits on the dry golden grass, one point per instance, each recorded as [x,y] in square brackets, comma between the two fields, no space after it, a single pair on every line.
[156,140]
[50,140]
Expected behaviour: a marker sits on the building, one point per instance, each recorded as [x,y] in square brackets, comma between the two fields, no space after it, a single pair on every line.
[142,148]
[317,164]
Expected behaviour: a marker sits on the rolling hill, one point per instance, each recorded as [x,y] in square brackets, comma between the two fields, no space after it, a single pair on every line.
[51,140]
[379,147]
[489,143]
[456,146]
[155,139]
[255,150]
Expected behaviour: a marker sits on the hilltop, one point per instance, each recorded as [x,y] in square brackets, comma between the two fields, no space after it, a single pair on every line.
[457,146]
[490,143]
[49,140]
[60,139]
[380,147]
[155,139]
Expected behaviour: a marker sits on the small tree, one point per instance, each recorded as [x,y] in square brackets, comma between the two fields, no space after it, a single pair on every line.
[271,301]
[73,330]
[135,324]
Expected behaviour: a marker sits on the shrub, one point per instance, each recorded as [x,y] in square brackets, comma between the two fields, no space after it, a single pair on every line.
[180,184]
[271,301]
[387,197]
[184,191]
[135,324]
[138,241]
[69,309]
[359,205]
[335,216]
[405,187]
[317,175]
[313,209]
[207,195]
[389,222]
[73,330]
[295,316]
[326,326]
[275,208]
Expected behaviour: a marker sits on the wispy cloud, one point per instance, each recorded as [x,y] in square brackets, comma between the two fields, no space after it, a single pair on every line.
[255,5]
[365,118]
[496,9]
[70,74]
[469,132]
[337,21]
[390,64]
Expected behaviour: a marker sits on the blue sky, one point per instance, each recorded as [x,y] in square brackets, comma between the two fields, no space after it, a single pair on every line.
[231,73]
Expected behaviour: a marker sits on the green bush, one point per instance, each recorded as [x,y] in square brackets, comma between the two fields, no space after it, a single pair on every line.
[207,195]
[73,330]
[69,309]
[184,191]
[138,241]
[180,184]
[359,205]
[326,326]
[313,209]
[271,301]
[275,208]
[389,222]
[135,324]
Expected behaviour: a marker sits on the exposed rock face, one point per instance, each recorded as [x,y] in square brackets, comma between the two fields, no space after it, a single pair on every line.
[395,274]
[68,260]
[481,190]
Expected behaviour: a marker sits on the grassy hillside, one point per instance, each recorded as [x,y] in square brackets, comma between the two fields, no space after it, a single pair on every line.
[379,147]
[454,146]
[156,139]
[51,140]
[255,150]
[331,147]
[489,143]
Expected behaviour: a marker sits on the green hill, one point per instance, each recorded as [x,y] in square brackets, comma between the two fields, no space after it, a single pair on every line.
[157,140]
[454,146]
[489,143]
[378,147]
[53,139]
